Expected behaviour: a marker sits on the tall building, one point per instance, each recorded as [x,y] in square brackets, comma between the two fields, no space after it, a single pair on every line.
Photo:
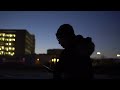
[16,43]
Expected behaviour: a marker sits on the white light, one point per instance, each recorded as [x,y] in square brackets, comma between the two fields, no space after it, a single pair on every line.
[7,39]
[9,43]
[14,35]
[118,55]
[10,39]
[11,54]
[6,43]
[13,48]
[57,60]
[9,48]
[13,39]
[2,47]
[3,39]
[3,34]
[10,35]
[38,59]
[98,53]
[54,60]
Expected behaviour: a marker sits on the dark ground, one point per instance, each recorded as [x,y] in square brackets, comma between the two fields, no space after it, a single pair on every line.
[19,71]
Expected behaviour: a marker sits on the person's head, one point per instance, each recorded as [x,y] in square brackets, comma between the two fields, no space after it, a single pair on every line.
[65,35]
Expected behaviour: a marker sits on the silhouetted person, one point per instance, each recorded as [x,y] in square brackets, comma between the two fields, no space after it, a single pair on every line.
[85,44]
[74,61]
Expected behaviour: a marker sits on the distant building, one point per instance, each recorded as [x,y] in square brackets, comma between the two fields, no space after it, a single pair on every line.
[16,43]
[54,51]
[44,58]
[52,56]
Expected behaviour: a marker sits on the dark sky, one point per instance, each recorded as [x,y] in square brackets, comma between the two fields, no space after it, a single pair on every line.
[102,26]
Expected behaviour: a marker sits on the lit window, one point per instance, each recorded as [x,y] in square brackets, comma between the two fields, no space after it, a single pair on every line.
[13,39]
[8,52]
[3,39]
[13,48]
[3,34]
[12,54]
[14,35]
[6,44]
[2,47]
[52,60]
[9,43]
[2,52]
[10,35]
[10,39]
[9,48]
[57,60]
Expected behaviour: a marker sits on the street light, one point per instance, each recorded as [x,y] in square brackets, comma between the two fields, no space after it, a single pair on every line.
[98,53]
[118,55]
[38,59]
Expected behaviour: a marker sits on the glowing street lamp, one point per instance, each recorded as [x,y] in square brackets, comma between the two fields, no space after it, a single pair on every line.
[118,55]
[98,53]
[38,59]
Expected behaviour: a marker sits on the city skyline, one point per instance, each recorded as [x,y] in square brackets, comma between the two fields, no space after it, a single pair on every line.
[102,26]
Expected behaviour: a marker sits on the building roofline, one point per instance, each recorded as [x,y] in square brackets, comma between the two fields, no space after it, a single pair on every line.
[14,29]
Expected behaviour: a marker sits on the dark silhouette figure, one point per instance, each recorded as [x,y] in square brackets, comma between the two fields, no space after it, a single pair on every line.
[74,61]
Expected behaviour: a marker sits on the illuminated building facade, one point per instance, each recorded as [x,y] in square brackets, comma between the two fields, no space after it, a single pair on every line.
[16,43]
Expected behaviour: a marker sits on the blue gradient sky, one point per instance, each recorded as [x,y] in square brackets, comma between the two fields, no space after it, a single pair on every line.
[102,26]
